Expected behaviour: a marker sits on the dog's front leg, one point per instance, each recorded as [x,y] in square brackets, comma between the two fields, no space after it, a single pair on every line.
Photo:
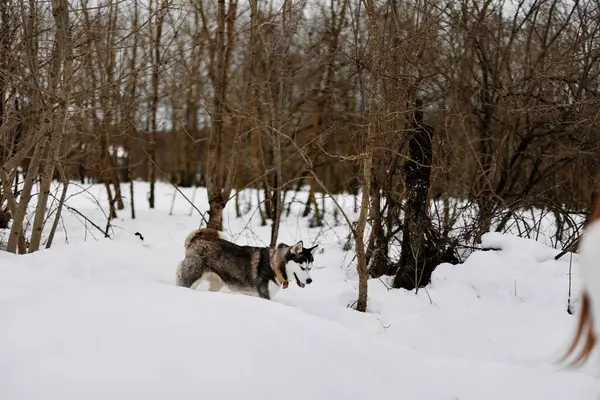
[263,291]
[273,289]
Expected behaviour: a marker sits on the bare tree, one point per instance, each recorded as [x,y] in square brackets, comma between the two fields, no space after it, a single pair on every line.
[132,110]
[157,30]
[62,61]
[344,100]
[373,115]
[219,185]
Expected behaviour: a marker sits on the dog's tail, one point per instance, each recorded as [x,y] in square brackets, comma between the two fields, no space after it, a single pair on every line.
[584,333]
[585,324]
[203,234]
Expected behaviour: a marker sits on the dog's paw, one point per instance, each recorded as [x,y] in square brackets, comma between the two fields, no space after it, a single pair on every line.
[285,284]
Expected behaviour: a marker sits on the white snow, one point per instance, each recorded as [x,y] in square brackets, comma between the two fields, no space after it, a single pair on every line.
[101,319]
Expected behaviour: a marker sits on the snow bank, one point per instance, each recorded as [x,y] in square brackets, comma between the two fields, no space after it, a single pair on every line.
[513,244]
[101,319]
[154,341]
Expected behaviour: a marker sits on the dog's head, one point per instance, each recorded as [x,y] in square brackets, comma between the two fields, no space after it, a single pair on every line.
[298,263]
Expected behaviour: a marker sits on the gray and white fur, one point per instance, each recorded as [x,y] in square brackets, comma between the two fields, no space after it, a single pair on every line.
[249,270]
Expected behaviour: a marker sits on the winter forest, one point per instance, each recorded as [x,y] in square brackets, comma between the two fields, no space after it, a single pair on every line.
[405,137]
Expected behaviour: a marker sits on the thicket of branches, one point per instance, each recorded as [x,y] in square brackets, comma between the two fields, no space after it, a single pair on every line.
[490,105]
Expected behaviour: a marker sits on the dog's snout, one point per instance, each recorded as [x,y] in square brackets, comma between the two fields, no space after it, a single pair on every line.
[308,281]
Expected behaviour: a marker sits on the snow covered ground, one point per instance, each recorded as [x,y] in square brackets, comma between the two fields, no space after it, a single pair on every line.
[100,319]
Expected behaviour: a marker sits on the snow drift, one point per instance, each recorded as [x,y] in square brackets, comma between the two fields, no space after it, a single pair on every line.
[101,320]
[155,341]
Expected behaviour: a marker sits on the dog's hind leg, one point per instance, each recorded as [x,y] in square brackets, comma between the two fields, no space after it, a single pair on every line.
[214,281]
[195,285]
[188,274]
[178,279]
[248,292]
[243,290]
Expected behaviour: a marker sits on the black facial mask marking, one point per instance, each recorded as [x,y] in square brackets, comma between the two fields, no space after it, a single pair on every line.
[304,257]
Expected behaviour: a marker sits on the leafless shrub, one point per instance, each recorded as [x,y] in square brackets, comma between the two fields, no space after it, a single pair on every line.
[317,95]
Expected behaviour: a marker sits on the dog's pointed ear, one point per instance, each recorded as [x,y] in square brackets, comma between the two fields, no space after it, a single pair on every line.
[297,248]
[310,249]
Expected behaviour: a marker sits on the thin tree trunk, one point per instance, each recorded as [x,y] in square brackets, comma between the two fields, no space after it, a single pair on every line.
[312,200]
[63,54]
[219,187]
[63,196]
[368,158]
[447,222]
[133,109]
[105,175]
[117,185]
[254,148]
[154,107]
[215,195]
[16,238]
[17,227]
[276,112]
[42,200]
[253,112]
[112,95]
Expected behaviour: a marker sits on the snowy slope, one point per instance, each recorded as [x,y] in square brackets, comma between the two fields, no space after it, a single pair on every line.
[101,319]
[153,341]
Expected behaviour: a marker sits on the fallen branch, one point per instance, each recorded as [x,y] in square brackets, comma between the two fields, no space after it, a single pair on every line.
[175,186]
[76,211]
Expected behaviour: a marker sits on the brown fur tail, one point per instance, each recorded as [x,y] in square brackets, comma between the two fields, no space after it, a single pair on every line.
[202,234]
[584,333]
[585,323]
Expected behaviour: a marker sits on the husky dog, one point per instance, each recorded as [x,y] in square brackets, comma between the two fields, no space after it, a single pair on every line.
[255,271]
